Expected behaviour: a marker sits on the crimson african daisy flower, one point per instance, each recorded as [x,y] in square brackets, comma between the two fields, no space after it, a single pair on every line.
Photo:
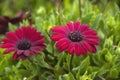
[5,20]
[24,42]
[76,38]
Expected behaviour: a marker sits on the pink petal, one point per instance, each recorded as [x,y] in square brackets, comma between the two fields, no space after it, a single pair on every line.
[71,49]
[86,46]
[35,49]
[79,50]
[64,46]
[19,52]
[38,42]
[7,45]
[61,41]
[35,37]
[23,57]
[59,29]
[91,37]
[19,33]
[15,56]
[57,37]
[12,36]
[7,40]
[76,25]
[26,52]
[92,41]
[82,49]
[93,49]
[70,26]
[89,32]
[84,27]
[9,50]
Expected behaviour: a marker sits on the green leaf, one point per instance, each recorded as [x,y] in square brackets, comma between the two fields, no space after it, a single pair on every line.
[12,27]
[68,76]
[97,20]
[87,18]
[113,73]
[108,42]
[108,57]
[82,67]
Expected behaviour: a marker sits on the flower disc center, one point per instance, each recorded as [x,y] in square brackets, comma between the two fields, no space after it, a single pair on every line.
[24,45]
[75,36]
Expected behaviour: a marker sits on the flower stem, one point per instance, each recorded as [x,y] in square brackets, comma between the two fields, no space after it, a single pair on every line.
[59,10]
[59,6]
[80,8]
[105,5]
[70,66]
[52,48]
[31,61]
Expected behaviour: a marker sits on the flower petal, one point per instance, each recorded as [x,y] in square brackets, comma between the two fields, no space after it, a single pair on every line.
[93,42]
[80,50]
[84,27]
[26,52]
[12,36]
[91,37]
[23,57]
[63,46]
[62,41]
[57,37]
[87,46]
[19,52]
[71,49]
[93,48]
[38,42]
[70,26]
[76,25]
[7,40]
[7,45]
[9,50]
[59,29]
[91,32]
[15,56]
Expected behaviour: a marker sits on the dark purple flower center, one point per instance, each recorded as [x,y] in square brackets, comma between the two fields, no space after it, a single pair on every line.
[24,45]
[75,36]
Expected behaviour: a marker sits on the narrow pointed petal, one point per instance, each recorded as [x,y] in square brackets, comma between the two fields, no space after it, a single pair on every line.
[77,25]
[70,26]
[9,50]
[23,57]
[15,56]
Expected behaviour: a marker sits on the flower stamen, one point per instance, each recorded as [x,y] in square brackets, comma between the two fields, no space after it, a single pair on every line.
[75,36]
[24,45]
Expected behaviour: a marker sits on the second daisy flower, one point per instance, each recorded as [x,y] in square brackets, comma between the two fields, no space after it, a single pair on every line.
[76,38]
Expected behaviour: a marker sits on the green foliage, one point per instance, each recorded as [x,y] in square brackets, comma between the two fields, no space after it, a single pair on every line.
[103,65]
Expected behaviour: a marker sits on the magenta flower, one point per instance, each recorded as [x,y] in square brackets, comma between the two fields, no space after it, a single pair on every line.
[4,20]
[24,42]
[75,38]
[19,18]
[4,24]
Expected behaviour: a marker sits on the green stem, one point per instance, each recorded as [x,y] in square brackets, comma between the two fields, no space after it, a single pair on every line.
[59,10]
[70,66]
[59,6]
[52,43]
[31,61]
[80,8]
[105,5]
